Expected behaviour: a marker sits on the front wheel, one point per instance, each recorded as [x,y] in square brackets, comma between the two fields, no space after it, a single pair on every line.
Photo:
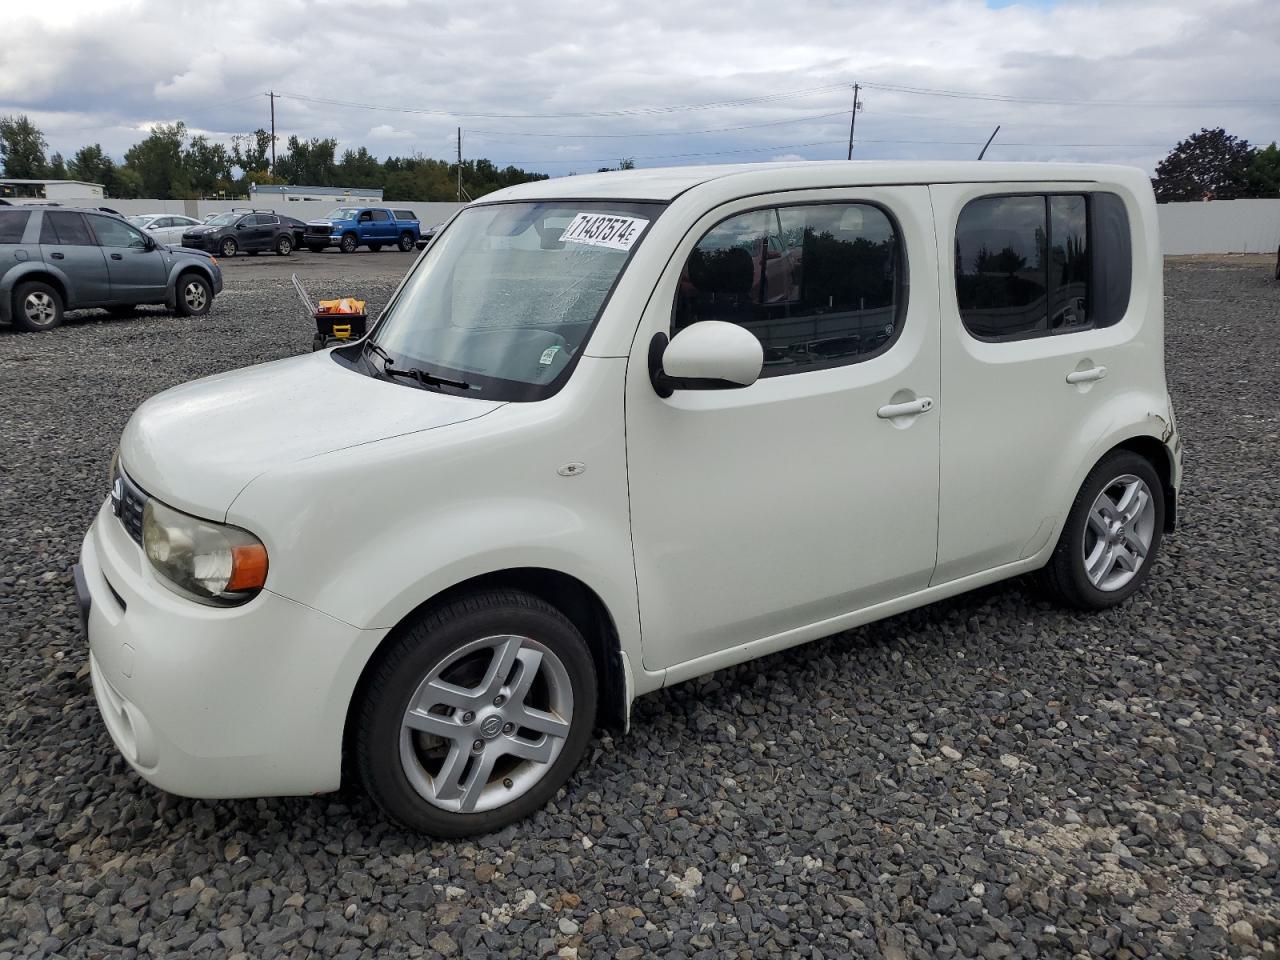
[476,714]
[1112,535]
[406,242]
[37,307]
[229,247]
[195,296]
[348,243]
[284,246]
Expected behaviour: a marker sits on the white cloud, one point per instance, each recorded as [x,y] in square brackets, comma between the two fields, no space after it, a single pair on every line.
[95,70]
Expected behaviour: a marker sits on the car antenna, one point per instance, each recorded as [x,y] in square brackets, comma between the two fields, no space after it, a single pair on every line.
[983,152]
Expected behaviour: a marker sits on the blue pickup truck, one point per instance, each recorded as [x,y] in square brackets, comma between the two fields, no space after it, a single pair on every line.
[350,227]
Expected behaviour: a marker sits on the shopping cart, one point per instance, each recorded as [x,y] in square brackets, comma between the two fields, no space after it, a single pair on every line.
[337,321]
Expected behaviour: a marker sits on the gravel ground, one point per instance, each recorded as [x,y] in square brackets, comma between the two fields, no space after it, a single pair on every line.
[988,776]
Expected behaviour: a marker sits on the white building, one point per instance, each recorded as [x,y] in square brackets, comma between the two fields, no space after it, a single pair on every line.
[274,191]
[59,191]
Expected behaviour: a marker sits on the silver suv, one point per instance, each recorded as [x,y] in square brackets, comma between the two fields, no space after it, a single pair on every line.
[52,260]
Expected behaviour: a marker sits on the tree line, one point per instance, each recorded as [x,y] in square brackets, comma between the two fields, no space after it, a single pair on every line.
[1214,165]
[170,164]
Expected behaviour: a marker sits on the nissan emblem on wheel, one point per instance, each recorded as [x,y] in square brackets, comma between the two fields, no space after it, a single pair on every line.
[615,432]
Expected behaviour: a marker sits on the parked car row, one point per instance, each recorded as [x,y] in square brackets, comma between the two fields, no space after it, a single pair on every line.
[54,259]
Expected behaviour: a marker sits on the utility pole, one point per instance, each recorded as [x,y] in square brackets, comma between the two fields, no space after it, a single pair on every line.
[988,143]
[459,164]
[272,96]
[853,118]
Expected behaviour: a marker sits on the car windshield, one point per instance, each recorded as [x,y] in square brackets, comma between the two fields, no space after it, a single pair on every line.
[343,213]
[509,293]
[223,219]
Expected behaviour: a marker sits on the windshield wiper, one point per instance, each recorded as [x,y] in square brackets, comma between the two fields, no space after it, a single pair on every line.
[425,378]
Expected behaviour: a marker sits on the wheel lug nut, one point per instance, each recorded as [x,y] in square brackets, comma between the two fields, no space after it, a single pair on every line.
[508,727]
[468,717]
[506,782]
[478,746]
[499,700]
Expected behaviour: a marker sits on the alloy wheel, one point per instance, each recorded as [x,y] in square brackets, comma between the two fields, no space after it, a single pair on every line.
[39,308]
[486,724]
[193,294]
[1119,531]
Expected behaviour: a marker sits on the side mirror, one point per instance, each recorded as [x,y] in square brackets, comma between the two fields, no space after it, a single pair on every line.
[149,243]
[709,355]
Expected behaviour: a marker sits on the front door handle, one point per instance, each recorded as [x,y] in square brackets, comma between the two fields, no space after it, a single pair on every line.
[909,409]
[58,256]
[116,256]
[1086,376]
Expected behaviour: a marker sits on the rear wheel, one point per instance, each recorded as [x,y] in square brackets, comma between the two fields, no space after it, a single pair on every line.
[229,247]
[1111,537]
[406,242]
[195,296]
[348,243]
[476,714]
[284,245]
[37,307]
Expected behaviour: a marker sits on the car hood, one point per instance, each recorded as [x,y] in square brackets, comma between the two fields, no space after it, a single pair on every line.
[198,445]
[322,223]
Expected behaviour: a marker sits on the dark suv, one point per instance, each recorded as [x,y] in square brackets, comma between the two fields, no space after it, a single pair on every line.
[250,231]
[63,258]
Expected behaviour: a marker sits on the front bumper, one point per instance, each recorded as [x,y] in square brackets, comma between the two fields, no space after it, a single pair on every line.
[209,243]
[215,701]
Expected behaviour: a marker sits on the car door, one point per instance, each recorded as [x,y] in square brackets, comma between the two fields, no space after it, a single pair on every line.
[268,225]
[812,493]
[385,226]
[66,243]
[1033,346]
[136,268]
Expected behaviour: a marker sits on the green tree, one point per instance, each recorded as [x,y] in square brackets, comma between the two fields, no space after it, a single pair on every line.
[22,148]
[92,165]
[57,169]
[157,161]
[1263,173]
[309,164]
[208,166]
[251,152]
[1209,165]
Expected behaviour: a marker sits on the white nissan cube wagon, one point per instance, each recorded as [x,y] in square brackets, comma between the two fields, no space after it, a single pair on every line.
[616,431]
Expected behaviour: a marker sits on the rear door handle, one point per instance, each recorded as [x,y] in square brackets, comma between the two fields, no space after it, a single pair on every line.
[909,409]
[116,256]
[1086,376]
[58,256]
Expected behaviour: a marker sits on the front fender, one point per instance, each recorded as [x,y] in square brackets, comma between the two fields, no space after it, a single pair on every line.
[182,266]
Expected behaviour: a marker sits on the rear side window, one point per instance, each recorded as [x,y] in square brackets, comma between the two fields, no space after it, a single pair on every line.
[13,225]
[65,229]
[267,220]
[820,286]
[1033,265]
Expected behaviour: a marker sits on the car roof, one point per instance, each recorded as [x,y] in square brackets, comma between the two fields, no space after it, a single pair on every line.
[667,183]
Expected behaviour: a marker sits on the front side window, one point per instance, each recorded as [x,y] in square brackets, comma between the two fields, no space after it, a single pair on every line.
[506,297]
[266,219]
[1040,264]
[819,286]
[116,233]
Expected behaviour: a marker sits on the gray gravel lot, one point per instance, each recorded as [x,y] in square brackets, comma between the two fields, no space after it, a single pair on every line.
[989,776]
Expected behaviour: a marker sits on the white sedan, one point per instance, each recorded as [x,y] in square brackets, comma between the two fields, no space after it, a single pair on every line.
[165,227]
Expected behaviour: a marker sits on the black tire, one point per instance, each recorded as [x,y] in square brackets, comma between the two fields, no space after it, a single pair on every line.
[229,248]
[348,243]
[284,245]
[1065,578]
[406,242]
[393,679]
[37,307]
[193,295]
[375,247]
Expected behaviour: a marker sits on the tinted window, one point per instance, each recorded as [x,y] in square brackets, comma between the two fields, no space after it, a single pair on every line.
[405,215]
[116,233]
[820,286]
[65,229]
[381,216]
[12,226]
[267,219]
[1031,265]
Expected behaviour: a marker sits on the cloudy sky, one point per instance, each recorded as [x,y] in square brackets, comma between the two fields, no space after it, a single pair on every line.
[567,85]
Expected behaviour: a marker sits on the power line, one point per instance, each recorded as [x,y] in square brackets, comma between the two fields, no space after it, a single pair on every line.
[1004,98]
[625,112]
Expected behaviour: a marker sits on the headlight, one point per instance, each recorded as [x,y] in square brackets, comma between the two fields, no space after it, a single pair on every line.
[210,562]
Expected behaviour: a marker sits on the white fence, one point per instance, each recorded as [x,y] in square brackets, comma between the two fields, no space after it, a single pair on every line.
[1220,226]
[428,213]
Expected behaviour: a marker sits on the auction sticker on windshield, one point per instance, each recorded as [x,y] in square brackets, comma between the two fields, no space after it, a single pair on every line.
[604,230]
